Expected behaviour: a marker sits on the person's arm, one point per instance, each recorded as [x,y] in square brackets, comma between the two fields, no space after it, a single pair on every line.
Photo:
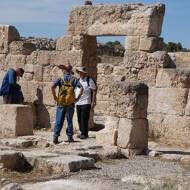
[12,78]
[94,92]
[53,89]
[78,85]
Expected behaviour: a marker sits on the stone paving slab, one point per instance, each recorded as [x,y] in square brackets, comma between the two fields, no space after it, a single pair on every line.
[66,163]
[13,160]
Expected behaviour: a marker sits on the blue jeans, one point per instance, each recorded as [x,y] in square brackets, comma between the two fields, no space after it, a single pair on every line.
[61,112]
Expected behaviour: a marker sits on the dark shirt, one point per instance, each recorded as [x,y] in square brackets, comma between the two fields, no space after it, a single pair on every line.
[9,82]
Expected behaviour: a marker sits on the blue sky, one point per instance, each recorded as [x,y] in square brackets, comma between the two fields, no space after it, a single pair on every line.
[49,18]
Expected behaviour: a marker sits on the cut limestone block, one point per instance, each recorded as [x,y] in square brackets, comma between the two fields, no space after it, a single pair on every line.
[130,20]
[171,129]
[108,136]
[151,44]
[128,100]
[66,163]
[13,160]
[16,120]
[179,78]
[168,100]
[21,47]
[133,133]
[7,35]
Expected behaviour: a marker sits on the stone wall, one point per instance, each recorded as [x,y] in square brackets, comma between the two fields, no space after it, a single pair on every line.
[143,61]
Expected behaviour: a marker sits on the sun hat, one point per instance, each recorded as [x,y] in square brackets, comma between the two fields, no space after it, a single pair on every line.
[81,69]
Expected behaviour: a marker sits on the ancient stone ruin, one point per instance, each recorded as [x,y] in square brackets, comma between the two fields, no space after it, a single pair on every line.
[144,61]
[146,95]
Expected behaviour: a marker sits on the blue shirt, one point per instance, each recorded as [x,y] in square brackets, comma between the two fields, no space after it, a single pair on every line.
[8,83]
[67,77]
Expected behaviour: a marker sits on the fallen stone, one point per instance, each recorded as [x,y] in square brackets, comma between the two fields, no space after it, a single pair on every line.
[12,186]
[14,161]
[19,143]
[66,163]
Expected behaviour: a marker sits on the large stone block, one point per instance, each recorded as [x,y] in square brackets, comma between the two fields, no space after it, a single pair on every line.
[63,57]
[70,43]
[16,120]
[108,136]
[167,100]
[130,20]
[133,133]
[140,59]
[128,100]
[151,44]
[7,35]
[32,91]
[13,160]
[170,128]
[15,61]
[132,43]
[177,78]
[43,57]
[21,47]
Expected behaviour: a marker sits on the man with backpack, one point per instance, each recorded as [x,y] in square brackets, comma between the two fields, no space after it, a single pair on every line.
[86,102]
[65,102]
[10,90]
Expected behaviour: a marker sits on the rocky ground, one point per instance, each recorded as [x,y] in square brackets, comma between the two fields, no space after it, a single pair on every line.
[35,163]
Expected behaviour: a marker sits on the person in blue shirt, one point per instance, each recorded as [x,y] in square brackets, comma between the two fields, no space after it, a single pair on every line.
[64,110]
[10,90]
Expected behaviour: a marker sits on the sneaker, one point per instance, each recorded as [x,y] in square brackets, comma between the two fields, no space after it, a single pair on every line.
[70,139]
[83,137]
[55,140]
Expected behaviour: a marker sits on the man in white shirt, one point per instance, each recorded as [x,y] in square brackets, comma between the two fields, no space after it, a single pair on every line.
[86,102]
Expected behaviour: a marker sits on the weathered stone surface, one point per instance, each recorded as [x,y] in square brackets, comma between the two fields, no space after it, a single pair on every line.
[130,20]
[7,35]
[132,43]
[151,44]
[3,64]
[21,47]
[62,58]
[133,133]
[43,57]
[110,133]
[129,100]
[69,43]
[32,91]
[167,78]
[13,160]
[38,73]
[66,163]
[20,121]
[15,61]
[173,129]
[140,59]
[167,100]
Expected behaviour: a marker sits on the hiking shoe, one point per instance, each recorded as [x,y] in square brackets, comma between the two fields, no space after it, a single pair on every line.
[83,137]
[70,139]
[55,140]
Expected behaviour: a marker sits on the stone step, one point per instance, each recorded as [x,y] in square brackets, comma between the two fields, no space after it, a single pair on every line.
[65,163]
[13,160]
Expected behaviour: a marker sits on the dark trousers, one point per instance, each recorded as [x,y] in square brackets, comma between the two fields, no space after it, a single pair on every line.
[83,114]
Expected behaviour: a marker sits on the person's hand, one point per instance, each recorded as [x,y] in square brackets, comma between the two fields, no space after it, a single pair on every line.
[93,104]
